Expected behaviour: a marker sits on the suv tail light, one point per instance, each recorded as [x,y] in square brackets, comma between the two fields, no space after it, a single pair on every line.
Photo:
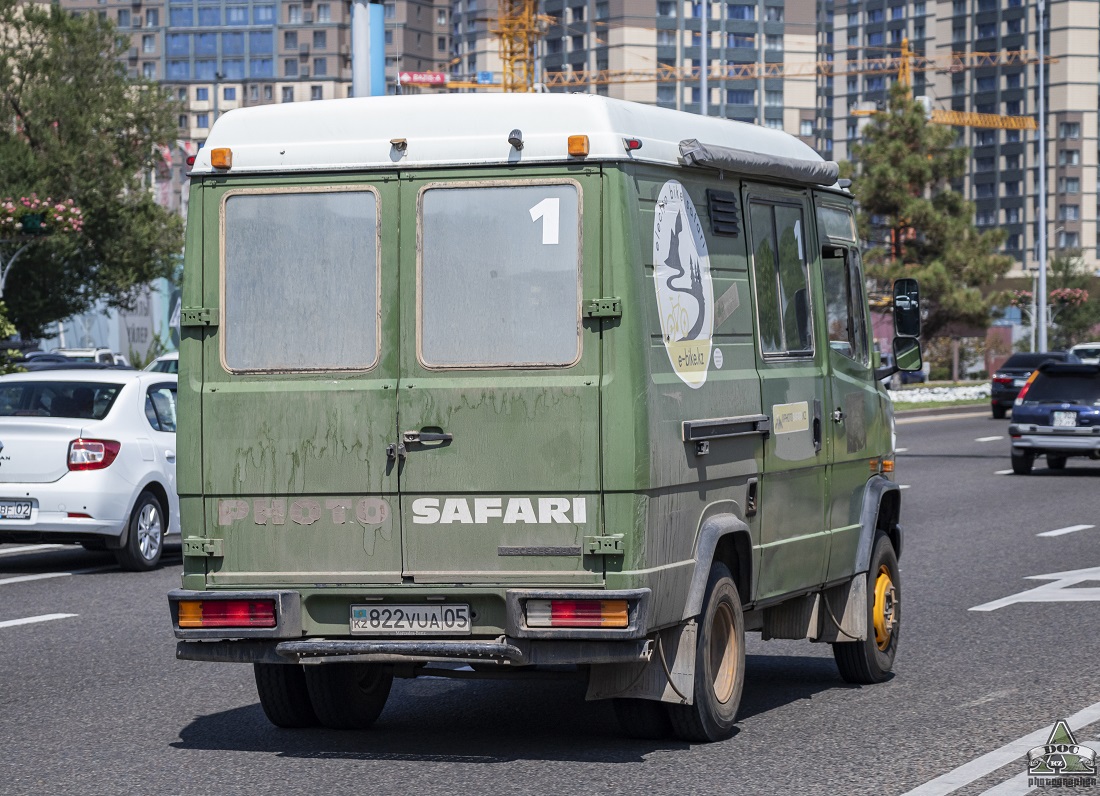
[92,454]
[1027,385]
[1003,380]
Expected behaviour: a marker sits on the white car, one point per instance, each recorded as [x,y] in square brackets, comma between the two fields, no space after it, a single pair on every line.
[89,456]
[1089,353]
[169,363]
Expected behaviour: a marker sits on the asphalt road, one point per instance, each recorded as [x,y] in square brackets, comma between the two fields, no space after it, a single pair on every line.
[95,703]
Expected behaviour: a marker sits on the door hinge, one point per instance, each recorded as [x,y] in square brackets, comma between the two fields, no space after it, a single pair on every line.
[603,308]
[198,316]
[198,546]
[604,545]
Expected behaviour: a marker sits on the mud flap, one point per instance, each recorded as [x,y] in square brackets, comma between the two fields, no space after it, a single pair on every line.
[673,647]
[836,614]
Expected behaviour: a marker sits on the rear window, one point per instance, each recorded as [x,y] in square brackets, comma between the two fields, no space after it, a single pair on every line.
[1073,388]
[79,399]
[1032,361]
[1092,352]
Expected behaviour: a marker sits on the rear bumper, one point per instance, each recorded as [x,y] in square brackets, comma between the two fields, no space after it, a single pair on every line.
[1043,439]
[105,499]
[288,642]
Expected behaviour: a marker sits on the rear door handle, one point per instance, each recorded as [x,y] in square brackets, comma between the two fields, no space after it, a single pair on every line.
[412,437]
[170,455]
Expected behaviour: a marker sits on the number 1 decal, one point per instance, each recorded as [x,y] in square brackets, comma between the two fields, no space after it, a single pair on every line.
[547,210]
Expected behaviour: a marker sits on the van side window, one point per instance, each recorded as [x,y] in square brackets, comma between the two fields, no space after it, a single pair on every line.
[844,313]
[499,275]
[300,280]
[782,289]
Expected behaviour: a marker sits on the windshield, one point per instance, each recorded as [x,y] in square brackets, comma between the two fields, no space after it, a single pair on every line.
[1070,388]
[1092,352]
[78,399]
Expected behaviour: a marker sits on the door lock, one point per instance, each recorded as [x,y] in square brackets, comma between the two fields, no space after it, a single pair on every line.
[838,415]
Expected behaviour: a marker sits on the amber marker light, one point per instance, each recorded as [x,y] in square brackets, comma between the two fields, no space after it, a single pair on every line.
[578,146]
[577,613]
[887,465]
[221,158]
[226,613]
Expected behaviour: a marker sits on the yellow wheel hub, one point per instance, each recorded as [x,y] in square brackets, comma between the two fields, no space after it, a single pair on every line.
[723,653]
[885,612]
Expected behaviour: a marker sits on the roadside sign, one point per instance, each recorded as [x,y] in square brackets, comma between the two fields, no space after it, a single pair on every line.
[422,78]
[484,77]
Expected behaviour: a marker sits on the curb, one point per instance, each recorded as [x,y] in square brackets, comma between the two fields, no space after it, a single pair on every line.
[978,408]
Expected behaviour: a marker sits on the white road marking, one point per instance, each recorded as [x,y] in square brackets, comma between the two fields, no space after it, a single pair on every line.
[30,620]
[1063,590]
[31,548]
[903,486]
[1017,786]
[1002,472]
[988,439]
[902,450]
[1064,531]
[48,575]
[991,761]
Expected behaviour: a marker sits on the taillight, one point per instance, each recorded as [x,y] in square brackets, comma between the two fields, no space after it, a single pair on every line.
[227,613]
[1003,380]
[577,613]
[1027,385]
[92,454]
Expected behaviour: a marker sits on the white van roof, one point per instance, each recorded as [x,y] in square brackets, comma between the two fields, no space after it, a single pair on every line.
[471,129]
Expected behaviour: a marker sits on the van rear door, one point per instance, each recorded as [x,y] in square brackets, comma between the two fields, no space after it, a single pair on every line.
[500,378]
[299,391]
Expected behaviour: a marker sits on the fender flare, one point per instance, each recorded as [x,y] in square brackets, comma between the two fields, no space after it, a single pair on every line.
[714,529]
[878,489]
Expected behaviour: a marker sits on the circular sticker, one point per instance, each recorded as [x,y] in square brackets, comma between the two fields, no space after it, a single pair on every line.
[681,278]
[718,359]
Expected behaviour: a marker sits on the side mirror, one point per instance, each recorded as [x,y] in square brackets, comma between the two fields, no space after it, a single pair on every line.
[906,308]
[907,354]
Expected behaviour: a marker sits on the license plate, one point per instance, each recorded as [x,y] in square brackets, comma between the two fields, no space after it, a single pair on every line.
[1065,419]
[1019,382]
[15,509]
[410,620]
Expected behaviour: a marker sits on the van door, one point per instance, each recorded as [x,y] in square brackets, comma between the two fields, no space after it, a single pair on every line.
[300,380]
[499,395]
[854,410]
[793,541]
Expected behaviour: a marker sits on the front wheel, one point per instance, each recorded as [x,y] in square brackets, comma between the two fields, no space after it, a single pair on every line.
[348,696]
[1022,463]
[719,665]
[870,660]
[145,539]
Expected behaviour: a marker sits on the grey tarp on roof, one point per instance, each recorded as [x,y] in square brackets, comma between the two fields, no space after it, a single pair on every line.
[809,172]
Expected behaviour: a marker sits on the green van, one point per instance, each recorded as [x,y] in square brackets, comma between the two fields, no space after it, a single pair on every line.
[485,384]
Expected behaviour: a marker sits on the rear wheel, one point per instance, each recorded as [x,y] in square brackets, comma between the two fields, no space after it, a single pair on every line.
[999,412]
[283,694]
[1022,463]
[1056,462]
[348,696]
[145,539]
[870,660]
[719,665]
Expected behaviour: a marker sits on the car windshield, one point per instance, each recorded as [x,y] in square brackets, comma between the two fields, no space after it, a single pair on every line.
[1070,388]
[76,399]
[1031,361]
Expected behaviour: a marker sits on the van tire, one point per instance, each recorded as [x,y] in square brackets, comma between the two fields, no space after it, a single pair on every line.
[348,696]
[1022,463]
[870,661]
[145,535]
[283,694]
[644,719]
[719,665]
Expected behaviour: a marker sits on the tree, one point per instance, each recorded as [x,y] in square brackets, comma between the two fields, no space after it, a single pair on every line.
[916,224]
[74,125]
[1075,311]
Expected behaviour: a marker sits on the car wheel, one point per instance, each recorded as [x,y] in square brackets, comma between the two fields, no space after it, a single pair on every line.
[145,540]
[348,696]
[999,412]
[719,665]
[283,694]
[643,718]
[1022,463]
[870,660]
[1056,462]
